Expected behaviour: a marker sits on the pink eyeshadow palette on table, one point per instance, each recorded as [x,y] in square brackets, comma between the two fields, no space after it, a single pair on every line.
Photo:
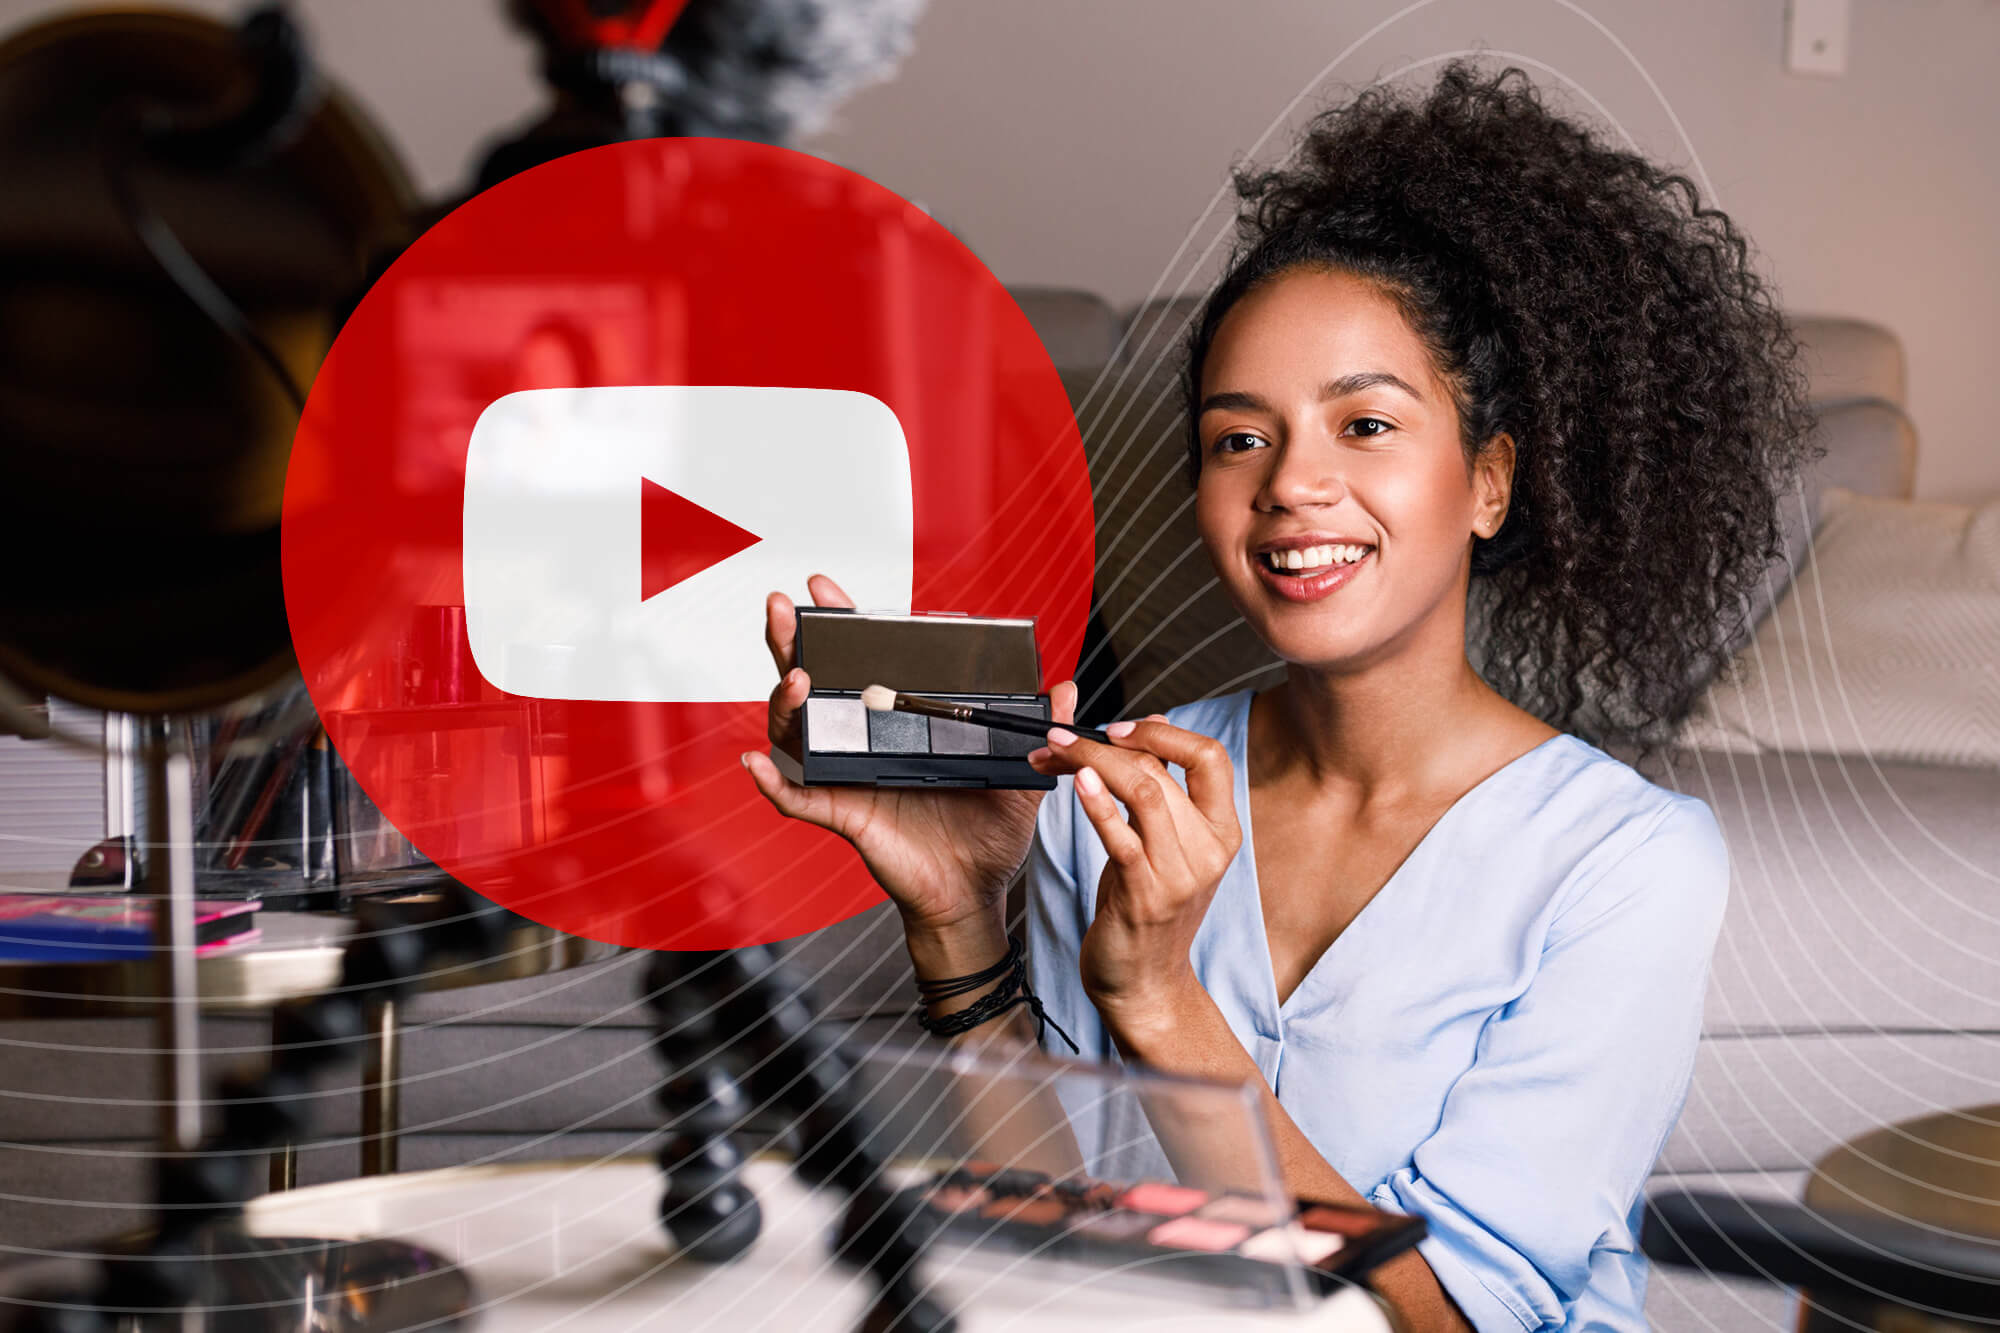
[1235,1240]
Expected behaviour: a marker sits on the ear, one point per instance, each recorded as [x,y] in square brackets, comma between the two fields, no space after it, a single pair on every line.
[1492,484]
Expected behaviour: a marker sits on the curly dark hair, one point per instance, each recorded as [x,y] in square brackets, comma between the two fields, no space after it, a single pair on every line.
[1580,299]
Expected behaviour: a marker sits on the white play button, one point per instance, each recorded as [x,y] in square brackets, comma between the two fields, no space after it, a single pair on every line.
[700,499]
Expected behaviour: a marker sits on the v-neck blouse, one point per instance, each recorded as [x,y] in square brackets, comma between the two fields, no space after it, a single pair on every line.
[1501,1040]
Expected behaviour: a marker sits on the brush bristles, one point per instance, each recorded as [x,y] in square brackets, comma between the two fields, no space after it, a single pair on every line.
[879,699]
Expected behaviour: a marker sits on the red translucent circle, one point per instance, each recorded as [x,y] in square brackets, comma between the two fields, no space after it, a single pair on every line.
[659,262]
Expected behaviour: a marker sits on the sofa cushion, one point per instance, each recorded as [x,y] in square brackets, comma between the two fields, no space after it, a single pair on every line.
[1782,1101]
[1864,895]
[1682,1300]
[1849,358]
[1886,646]
[1871,449]
[1155,331]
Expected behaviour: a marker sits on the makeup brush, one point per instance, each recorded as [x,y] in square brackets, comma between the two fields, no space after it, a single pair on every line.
[882,699]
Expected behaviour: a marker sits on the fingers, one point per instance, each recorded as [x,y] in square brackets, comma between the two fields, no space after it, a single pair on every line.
[825,592]
[814,805]
[782,718]
[1211,778]
[780,629]
[1158,809]
[1125,848]
[781,624]
[1062,709]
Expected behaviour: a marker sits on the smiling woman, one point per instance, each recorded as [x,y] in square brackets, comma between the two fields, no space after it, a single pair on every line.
[1310,484]
[1459,950]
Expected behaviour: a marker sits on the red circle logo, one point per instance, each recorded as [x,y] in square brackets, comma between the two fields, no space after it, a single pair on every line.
[561,451]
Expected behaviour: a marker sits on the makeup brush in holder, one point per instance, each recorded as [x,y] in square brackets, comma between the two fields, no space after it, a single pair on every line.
[746,1002]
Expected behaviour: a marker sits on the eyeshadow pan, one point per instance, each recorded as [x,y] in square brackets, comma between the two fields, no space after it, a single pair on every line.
[1010,1179]
[1093,1195]
[1292,1241]
[1034,1212]
[1198,1233]
[898,733]
[1117,1226]
[1249,1211]
[1005,742]
[949,737]
[837,725]
[1154,1197]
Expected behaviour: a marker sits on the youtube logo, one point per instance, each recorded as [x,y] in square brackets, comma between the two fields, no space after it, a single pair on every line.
[619,541]
[563,449]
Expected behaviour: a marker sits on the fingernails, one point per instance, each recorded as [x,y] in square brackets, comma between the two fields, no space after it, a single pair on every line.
[1041,756]
[1060,736]
[1119,728]
[1088,782]
[744,759]
[793,677]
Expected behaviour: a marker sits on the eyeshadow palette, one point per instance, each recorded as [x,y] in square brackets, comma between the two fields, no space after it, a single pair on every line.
[989,663]
[1237,1240]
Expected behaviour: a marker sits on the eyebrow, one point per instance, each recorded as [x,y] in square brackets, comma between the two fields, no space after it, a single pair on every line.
[1333,388]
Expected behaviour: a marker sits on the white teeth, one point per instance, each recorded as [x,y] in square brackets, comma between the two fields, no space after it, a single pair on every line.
[1315,557]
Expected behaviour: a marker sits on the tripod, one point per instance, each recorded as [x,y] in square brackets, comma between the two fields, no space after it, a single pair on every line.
[711,1007]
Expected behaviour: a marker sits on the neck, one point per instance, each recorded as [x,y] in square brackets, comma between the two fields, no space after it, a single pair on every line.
[1395,726]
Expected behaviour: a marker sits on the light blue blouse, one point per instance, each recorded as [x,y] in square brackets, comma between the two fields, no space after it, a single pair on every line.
[1500,1041]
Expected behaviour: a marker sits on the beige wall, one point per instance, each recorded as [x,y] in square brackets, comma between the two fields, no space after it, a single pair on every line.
[1079,142]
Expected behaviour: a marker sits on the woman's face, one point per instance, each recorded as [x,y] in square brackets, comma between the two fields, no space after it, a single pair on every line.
[1334,496]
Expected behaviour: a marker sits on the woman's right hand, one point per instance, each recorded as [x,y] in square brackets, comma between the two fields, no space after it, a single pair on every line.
[943,855]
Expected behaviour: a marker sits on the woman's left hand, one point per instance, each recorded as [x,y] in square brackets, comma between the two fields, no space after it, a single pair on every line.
[1167,854]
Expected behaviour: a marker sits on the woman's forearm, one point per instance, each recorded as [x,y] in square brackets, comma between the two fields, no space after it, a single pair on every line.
[1008,1112]
[1187,1033]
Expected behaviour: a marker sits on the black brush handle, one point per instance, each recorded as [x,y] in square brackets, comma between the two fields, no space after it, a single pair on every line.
[993,720]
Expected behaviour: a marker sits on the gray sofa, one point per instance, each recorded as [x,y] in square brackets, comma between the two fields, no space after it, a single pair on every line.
[1851,984]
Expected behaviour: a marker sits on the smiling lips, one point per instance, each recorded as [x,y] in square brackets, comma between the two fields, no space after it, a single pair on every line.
[1302,571]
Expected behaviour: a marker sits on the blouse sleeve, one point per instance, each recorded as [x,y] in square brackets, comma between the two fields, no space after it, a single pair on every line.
[1544,1143]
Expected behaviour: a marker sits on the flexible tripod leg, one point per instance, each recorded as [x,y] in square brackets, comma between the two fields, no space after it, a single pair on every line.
[705,1207]
[798,1065]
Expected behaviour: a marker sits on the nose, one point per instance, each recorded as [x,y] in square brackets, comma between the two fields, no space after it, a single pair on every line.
[1301,475]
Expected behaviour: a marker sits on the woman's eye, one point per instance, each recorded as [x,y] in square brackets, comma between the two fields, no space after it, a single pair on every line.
[1374,426]
[1236,442]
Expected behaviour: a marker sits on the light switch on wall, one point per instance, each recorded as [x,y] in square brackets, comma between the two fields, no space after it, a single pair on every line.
[1816,36]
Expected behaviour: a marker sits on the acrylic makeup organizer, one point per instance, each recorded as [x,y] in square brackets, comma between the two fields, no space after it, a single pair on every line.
[1109,1175]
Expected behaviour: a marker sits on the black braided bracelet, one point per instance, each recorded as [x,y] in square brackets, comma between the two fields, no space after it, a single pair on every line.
[1011,972]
